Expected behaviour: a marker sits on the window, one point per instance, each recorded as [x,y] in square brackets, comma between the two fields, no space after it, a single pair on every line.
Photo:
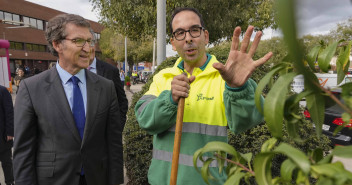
[18,46]
[26,21]
[33,22]
[35,47]
[42,48]
[1,15]
[12,45]
[16,18]
[8,16]
[29,47]
[40,24]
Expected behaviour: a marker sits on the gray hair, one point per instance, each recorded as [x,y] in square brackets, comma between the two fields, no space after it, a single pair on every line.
[55,29]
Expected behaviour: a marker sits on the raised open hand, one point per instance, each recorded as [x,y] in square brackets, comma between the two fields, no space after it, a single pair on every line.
[240,65]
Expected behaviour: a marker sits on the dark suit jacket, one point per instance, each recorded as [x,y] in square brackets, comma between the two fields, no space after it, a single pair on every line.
[112,73]
[47,147]
[6,116]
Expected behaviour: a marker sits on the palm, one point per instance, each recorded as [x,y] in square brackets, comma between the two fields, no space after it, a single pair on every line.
[240,64]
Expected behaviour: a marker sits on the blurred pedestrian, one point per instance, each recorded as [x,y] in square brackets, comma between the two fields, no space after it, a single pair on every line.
[18,78]
[6,134]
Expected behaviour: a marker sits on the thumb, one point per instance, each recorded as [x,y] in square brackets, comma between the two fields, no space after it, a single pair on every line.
[219,66]
[191,79]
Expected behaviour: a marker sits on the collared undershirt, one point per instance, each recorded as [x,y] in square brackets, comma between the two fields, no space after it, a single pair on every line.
[68,85]
[93,66]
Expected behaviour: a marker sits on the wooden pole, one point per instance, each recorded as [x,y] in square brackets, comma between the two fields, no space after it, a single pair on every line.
[177,141]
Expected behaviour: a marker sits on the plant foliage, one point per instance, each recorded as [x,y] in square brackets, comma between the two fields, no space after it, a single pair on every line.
[299,167]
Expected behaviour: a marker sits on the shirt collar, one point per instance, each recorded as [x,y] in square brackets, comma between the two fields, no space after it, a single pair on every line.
[181,64]
[65,76]
[94,64]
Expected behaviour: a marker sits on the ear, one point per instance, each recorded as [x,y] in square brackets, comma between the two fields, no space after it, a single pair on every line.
[57,46]
[206,34]
[172,43]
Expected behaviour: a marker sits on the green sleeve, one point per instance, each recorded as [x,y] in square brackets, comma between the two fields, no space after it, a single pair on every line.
[240,109]
[156,114]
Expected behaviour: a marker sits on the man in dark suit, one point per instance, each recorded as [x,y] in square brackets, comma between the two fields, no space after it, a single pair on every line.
[112,73]
[6,133]
[67,120]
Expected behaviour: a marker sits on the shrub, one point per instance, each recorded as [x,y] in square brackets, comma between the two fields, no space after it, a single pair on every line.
[252,140]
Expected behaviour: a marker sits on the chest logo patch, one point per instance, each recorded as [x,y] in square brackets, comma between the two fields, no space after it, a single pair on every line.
[201,97]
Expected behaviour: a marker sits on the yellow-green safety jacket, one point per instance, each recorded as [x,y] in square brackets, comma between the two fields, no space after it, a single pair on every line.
[209,110]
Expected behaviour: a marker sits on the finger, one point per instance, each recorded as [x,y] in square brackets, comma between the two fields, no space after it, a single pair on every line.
[191,79]
[181,77]
[236,38]
[179,84]
[220,67]
[255,43]
[180,92]
[263,59]
[246,39]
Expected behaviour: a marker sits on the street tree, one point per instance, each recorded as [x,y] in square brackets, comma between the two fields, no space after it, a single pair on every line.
[137,19]
[112,45]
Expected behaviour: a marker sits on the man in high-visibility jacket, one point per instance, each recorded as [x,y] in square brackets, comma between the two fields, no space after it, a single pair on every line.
[217,97]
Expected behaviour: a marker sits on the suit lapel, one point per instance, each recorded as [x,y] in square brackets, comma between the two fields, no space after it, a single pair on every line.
[57,95]
[93,98]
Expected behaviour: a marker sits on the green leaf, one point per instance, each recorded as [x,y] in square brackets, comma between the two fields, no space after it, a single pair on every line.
[274,104]
[286,170]
[291,114]
[312,56]
[326,159]
[301,178]
[261,85]
[343,151]
[346,94]
[221,162]
[316,108]
[286,20]
[205,170]
[262,168]
[326,55]
[268,145]
[220,146]
[298,157]
[247,157]
[235,179]
[317,155]
[325,181]
[342,61]
[330,170]
[197,155]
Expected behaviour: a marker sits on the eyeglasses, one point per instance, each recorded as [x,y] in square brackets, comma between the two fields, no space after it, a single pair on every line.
[81,42]
[180,34]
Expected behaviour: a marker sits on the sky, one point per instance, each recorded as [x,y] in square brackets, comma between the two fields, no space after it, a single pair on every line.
[313,16]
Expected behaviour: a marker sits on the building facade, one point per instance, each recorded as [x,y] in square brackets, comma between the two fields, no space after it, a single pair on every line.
[23,24]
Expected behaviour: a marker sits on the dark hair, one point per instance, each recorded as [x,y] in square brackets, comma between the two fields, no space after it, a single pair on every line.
[178,10]
[55,30]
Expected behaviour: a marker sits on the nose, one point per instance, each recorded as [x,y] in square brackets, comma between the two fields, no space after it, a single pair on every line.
[86,47]
[189,38]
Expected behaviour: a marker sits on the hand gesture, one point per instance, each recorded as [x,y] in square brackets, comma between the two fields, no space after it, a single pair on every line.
[180,86]
[240,65]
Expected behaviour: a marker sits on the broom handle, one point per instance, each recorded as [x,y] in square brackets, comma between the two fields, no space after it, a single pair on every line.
[177,141]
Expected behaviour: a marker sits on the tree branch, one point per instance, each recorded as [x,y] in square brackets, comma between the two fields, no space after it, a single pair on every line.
[236,163]
[333,97]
